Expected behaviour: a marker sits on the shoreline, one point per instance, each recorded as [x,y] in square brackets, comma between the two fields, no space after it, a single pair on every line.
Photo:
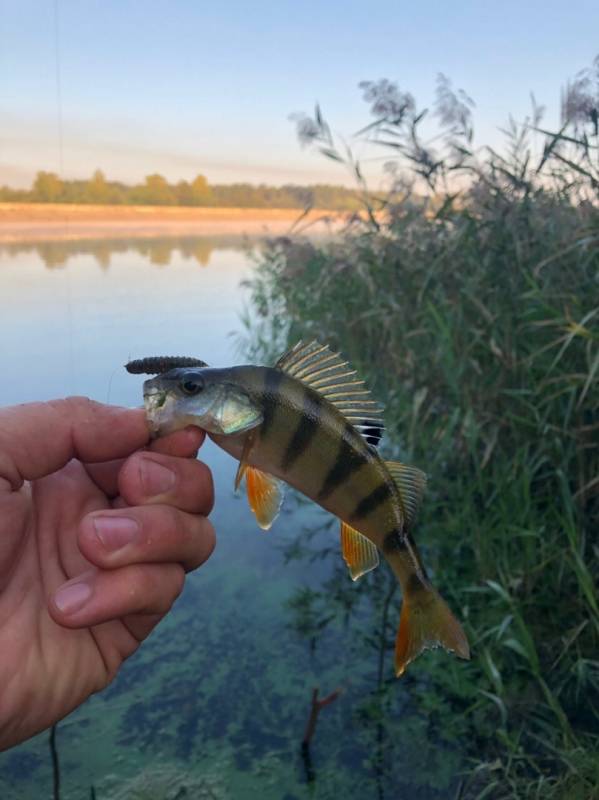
[29,222]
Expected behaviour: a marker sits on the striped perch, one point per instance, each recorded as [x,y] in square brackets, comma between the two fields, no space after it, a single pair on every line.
[309,421]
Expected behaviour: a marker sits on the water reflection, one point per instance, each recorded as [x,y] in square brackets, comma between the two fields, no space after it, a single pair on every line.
[114,300]
[56,254]
[221,691]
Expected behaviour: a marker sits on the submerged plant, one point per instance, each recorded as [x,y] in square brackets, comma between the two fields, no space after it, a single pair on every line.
[168,782]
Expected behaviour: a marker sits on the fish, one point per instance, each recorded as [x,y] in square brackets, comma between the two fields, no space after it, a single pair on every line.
[310,422]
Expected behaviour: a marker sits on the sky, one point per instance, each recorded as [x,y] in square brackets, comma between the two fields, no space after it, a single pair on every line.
[180,88]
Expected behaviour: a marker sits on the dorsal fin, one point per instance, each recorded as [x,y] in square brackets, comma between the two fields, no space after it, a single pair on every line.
[324,371]
[411,482]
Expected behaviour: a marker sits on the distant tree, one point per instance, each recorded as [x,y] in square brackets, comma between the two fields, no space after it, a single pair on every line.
[47,187]
[157,191]
[97,189]
[184,193]
[201,192]
[8,195]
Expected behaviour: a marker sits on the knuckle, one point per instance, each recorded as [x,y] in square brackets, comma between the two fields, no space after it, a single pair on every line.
[78,405]
[204,474]
[143,585]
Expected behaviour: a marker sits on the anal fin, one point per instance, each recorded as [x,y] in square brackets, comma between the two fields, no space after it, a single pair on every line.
[359,553]
[265,495]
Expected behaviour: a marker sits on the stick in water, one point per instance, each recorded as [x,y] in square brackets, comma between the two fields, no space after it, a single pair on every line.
[317,706]
[55,763]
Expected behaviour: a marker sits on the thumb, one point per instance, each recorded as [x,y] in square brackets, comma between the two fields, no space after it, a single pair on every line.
[37,439]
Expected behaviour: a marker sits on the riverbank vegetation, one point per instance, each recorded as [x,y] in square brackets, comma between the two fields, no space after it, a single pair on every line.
[476,319]
[155,190]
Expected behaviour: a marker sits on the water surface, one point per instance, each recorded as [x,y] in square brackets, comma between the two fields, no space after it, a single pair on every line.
[216,701]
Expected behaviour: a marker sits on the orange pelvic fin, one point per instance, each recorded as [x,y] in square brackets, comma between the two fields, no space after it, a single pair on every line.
[427,622]
[359,553]
[265,495]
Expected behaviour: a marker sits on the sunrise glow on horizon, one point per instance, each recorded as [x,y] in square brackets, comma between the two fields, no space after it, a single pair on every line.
[139,88]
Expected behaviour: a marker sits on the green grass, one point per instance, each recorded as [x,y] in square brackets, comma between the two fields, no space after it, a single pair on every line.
[475,318]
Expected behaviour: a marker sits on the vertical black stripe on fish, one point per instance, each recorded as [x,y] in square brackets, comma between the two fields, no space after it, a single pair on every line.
[417,583]
[371,502]
[272,383]
[306,430]
[415,557]
[346,462]
[394,541]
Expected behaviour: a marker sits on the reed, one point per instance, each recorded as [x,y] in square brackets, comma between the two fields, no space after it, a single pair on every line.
[473,312]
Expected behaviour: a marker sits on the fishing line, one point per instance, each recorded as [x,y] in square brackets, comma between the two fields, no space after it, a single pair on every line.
[60,131]
[112,374]
[58,88]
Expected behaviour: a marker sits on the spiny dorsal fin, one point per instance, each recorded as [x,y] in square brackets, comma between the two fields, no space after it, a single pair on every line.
[324,371]
[411,482]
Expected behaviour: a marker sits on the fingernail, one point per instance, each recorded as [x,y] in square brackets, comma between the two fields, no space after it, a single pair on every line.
[155,479]
[72,596]
[115,532]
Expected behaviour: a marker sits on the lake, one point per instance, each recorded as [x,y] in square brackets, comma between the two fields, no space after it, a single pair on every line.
[215,703]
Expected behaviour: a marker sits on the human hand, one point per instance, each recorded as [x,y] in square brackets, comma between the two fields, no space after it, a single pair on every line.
[95,538]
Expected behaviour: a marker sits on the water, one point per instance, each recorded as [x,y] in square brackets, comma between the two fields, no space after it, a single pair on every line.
[217,699]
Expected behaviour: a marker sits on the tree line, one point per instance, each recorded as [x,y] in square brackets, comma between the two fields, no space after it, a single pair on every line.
[48,187]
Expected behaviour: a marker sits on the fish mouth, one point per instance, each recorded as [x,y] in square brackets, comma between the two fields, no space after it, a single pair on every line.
[154,399]
[154,402]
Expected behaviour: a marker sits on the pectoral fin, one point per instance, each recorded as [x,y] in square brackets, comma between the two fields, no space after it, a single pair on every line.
[265,495]
[359,553]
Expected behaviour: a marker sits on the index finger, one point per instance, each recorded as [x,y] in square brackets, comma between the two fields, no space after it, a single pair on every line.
[184,444]
[37,439]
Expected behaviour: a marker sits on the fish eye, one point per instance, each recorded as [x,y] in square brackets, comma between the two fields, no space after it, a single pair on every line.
[192,384]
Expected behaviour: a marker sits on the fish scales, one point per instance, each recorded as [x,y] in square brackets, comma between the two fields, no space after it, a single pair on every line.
[308,421]
[337,468]
[309,444]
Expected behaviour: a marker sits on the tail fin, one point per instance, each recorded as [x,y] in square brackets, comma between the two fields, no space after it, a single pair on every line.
[427,622]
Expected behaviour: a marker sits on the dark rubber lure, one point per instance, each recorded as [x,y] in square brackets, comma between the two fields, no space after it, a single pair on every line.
[155,365]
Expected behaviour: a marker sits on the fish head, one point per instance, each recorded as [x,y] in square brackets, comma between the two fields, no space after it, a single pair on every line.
[205,397]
